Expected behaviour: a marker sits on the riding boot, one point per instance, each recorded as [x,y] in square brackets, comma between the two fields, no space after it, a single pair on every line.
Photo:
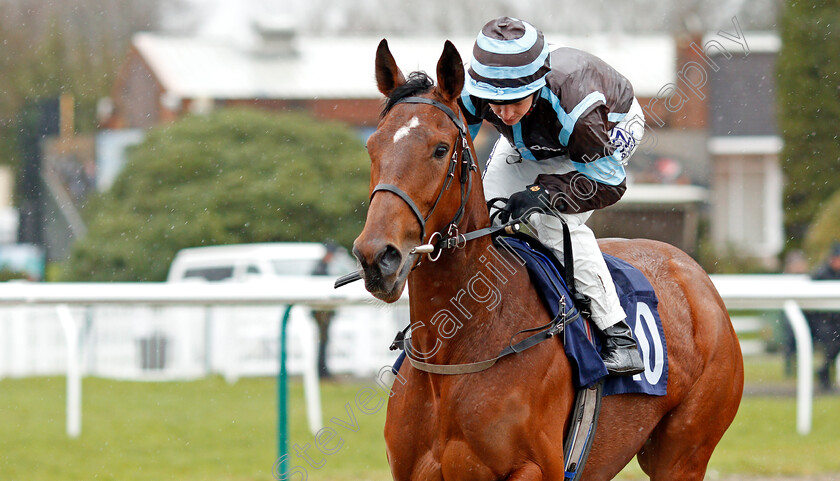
[620,352]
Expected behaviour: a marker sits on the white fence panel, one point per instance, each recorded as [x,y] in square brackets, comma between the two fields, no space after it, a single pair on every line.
[147,342]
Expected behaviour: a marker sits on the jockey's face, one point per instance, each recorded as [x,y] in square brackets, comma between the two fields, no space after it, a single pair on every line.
[511,114]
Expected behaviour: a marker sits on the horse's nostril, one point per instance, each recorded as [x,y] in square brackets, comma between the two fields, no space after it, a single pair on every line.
[359,256]
[389,260]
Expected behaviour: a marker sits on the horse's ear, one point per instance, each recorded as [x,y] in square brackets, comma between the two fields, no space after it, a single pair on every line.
[450,72]
[388,75]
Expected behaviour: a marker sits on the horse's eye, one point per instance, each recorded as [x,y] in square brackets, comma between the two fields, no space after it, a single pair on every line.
[441,150]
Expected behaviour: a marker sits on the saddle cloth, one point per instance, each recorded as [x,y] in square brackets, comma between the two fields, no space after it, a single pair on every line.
[638,299]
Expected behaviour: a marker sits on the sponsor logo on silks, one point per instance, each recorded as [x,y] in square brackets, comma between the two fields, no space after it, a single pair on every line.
[550,149]
[623,141]
[524,153]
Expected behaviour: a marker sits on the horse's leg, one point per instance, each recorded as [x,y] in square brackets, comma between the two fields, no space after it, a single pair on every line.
[529,472]
[549,471]
[623,426]
[682,443]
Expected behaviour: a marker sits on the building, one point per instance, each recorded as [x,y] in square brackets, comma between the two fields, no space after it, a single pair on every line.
[684,96]
[744,145]
[165,76]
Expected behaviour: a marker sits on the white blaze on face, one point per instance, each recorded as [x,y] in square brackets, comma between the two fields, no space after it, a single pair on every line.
[405,129]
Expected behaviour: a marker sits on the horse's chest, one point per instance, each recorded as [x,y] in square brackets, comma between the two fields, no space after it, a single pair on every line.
[471,431]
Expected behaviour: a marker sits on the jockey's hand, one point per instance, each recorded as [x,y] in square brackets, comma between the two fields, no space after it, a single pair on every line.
[533,200]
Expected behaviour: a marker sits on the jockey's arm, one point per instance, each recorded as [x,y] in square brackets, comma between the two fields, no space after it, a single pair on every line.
[599,179]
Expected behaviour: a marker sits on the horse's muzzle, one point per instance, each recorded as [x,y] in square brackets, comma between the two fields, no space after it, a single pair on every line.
[383,270]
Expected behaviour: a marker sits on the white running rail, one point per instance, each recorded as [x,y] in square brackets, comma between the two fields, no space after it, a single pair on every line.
[787,293]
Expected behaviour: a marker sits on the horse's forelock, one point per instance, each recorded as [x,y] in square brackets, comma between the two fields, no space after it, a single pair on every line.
[417,83]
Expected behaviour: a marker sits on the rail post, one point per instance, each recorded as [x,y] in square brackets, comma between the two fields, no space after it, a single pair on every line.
[804,365]
[283,397]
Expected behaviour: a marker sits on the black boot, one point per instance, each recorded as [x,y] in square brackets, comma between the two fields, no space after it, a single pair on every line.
[620,352]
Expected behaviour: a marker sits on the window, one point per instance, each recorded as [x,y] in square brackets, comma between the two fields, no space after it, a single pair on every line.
[209,273]
[294,267]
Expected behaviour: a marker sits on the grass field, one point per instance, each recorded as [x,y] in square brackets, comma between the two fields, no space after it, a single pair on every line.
[211,430]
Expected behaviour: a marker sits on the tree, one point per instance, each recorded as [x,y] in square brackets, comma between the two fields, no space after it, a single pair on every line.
[824,231]
[234,176]
[74,46]
[809,109]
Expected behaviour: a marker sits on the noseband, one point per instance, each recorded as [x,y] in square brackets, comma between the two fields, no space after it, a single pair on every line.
[467,162]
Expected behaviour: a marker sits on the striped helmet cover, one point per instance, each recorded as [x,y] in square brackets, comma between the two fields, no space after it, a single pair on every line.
[510,61]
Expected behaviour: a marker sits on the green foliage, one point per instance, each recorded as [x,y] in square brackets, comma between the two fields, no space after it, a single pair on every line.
[825,230]
[809,108]
[235,176]
[7,274]
[727,260]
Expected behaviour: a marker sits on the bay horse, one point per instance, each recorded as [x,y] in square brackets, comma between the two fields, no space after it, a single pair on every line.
[508,422]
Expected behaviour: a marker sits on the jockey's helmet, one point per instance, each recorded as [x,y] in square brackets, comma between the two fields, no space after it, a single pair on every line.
[510,61]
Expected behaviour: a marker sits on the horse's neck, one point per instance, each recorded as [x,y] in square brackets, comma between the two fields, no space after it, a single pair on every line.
[459,303]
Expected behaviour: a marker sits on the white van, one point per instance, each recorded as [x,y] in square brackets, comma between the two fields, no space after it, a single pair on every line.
[255,262]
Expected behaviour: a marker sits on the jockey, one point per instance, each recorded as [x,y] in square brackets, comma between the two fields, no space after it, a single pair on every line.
[568,124]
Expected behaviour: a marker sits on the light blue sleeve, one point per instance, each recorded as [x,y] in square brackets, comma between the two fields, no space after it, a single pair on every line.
[474,128]
[469,109]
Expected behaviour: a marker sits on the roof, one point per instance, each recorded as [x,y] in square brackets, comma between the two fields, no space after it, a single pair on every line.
[272,250]
[745,145]
[756,42]
[343,67]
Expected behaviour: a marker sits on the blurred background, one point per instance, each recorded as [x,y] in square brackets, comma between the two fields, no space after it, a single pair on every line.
[131,130]
[736,168]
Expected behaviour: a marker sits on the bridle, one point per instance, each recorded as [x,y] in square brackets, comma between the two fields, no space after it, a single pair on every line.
[467,164]
[453,238]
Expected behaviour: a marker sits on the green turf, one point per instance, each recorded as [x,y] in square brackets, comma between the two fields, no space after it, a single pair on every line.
[208,429]
[186,430]
[198,430]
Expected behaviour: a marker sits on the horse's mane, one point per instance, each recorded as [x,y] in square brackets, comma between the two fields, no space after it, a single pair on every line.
[417,83]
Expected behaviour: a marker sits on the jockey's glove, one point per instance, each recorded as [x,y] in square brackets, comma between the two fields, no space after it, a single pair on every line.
[533,200]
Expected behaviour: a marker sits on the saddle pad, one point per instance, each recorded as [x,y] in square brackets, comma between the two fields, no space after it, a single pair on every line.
[638,300]
[641,306]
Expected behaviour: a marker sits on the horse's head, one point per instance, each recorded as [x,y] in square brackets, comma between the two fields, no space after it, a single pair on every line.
[412,152]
